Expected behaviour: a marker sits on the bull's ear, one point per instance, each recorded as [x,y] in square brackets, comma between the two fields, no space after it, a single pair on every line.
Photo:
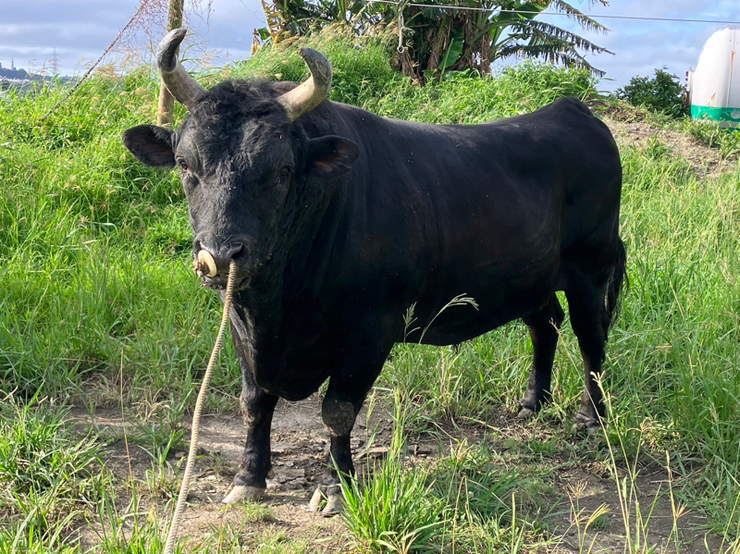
[331,156]
[151,145]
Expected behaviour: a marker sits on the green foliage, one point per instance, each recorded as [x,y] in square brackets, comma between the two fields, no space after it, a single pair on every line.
[436,40]
[363,76]
[727,141]
[662,93]
[513,90]
[46,476]
[361,65]
[37,456]
[459,502]
[92,244]
[395,510]
[440,40]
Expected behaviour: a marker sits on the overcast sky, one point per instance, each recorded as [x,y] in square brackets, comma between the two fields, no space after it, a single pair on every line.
[80,30]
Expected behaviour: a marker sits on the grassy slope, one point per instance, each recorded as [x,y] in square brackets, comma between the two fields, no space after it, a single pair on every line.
[97,279]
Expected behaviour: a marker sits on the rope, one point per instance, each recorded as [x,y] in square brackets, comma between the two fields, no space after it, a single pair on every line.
[400,48]
[93,66]
[195,430]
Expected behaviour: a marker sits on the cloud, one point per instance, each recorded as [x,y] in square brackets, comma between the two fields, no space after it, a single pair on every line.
[77,29]
[82,29]
[642,46]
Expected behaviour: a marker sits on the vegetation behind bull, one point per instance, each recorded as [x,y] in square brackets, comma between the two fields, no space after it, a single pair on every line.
[96,265]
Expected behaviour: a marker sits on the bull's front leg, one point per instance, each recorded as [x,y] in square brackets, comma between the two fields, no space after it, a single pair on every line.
[257,407]
[343,401]
[339,416]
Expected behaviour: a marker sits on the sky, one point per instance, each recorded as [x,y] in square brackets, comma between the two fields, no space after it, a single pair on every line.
[80,30]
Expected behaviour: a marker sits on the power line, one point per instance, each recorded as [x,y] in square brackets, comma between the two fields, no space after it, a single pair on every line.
[591,16]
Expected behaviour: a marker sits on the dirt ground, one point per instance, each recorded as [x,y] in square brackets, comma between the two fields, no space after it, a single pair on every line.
[299,445]
[630,128]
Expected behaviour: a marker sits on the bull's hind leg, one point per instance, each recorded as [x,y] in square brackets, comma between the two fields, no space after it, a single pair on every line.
[590,320]
[257,407]
[544,329]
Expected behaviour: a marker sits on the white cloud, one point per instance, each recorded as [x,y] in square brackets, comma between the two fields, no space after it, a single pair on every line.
[82,29]
[642,46]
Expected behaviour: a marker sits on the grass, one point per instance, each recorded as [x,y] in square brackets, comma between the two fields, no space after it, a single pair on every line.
[100,309]
[727,141]
[462,501]
[48,477]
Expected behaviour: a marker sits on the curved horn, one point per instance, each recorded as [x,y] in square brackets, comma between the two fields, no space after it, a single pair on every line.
[183,87]
[309,94]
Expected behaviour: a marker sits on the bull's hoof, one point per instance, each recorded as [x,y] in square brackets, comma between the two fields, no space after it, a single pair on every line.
[243,493]
[586,425]
[330,497]
[525,413]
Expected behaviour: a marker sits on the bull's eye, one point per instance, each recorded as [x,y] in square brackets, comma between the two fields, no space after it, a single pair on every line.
[285,172]
[182,164]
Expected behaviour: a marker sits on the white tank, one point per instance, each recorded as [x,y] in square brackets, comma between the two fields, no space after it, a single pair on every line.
[714,86]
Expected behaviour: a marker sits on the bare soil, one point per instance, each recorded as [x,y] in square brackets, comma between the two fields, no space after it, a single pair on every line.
[631,127]
[299,446]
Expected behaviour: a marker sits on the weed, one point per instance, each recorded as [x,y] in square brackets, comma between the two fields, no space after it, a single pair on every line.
[463,501]
[727,141]
[395,509]
[47,476]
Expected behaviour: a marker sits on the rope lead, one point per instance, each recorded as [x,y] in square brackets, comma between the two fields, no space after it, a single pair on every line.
[185,485]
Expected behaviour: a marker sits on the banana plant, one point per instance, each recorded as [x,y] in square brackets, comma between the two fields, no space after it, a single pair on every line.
[442,40]
[438,38]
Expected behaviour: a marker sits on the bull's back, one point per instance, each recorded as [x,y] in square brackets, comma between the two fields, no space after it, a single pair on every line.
[484,211]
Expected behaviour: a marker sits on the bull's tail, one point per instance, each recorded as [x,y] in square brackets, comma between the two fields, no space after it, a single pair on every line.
[617,280]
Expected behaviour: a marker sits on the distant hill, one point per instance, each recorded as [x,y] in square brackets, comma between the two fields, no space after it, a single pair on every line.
[13,73]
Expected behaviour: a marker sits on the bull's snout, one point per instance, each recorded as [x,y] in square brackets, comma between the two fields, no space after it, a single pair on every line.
[211,262]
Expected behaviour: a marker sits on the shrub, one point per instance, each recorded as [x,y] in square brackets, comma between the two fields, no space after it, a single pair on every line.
[663,93]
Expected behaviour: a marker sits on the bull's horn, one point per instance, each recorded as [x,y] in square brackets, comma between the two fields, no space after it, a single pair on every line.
[181,85]
[306,96]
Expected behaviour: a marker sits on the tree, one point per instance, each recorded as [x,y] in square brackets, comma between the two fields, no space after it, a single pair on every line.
[151,17]
[166,104]
[287,18]
[437,38]
[482,31]
[663,93]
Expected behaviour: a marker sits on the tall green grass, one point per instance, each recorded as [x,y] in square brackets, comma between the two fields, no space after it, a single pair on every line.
[97,285]
[464,501]
[48,477]
[95,250]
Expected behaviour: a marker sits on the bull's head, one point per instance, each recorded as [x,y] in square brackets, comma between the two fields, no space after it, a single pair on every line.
[251,174]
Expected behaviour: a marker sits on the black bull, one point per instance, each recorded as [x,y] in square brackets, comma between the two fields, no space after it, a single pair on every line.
[341,222]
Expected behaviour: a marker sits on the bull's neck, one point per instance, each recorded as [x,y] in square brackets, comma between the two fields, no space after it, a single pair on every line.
[299,269]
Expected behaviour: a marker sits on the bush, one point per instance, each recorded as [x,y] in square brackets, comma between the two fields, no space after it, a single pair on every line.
[362,69]
[663,93]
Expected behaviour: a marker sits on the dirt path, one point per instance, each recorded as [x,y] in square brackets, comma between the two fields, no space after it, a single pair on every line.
[631,128]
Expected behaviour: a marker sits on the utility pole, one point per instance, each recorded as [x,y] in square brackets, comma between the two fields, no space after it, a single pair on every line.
[166,101]
[54,63]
